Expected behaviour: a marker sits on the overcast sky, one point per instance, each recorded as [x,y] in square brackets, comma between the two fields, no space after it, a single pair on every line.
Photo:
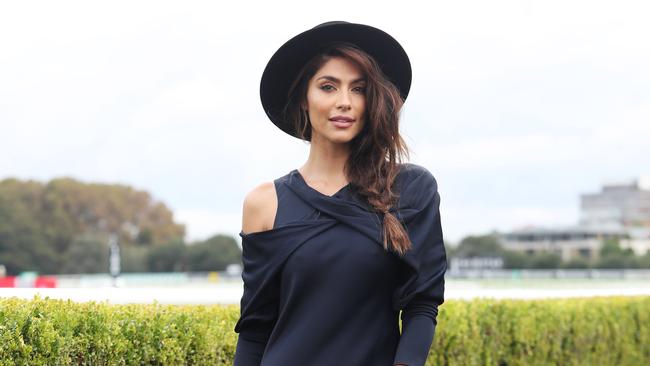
[516,107]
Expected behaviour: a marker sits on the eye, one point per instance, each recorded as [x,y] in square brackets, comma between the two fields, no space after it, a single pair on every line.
[327,87]
[360,89]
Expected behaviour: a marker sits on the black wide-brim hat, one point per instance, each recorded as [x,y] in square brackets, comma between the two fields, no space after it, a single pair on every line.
[288,60]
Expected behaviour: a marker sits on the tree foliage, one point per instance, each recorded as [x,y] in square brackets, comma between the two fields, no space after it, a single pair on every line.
[611,255]
[213,254]
[63,224]
[479,246]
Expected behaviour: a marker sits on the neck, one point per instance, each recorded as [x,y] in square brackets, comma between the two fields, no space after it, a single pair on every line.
[326,162]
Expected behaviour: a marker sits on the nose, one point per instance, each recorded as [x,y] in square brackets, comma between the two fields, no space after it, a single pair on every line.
[343,101]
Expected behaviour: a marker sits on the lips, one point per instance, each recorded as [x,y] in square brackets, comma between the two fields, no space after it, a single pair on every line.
[342,124]
[342,119]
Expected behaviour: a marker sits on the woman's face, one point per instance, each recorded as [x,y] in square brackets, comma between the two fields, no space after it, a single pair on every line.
[336,101]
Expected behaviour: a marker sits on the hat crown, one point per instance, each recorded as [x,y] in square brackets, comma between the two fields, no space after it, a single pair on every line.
[330,23]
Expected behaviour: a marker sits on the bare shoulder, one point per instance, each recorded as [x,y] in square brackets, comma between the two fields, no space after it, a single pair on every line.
[260,206]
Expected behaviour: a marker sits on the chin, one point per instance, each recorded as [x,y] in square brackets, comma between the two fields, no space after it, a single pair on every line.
[341,138]
[337,137]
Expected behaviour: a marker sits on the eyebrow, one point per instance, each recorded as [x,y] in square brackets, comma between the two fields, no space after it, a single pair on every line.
[336,80]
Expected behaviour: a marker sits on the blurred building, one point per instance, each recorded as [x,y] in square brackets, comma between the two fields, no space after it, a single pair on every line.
[616,206]
[568,242]
[618,211]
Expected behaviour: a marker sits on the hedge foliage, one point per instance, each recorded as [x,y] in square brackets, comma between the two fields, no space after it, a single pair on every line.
[58,332]
[579,331]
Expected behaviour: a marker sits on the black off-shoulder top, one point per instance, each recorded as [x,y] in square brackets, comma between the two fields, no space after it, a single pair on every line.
[320,289]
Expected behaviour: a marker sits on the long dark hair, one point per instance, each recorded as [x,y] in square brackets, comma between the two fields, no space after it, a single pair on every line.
[377,150]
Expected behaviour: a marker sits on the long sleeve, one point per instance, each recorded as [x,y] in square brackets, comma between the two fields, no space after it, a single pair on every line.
[422,290]
[250,350]
[418,329]
[259,303]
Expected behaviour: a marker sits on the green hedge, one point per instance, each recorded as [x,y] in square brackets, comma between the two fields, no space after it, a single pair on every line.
[57,332]
[578,331]
[582,331]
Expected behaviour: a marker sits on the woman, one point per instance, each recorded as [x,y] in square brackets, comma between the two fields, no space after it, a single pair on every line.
[334,250]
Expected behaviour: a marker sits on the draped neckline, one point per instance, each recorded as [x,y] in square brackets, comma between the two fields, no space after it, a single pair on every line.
[296,173]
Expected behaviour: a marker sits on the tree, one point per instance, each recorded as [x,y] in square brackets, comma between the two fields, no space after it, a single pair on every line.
[515,260]
[479,246]
[134,258]
[613,256]
[87,254]
[168,257]
[576,263]
[42,226]
[644,261]
[110,208]
[545,260]
[23,237]
[213,254]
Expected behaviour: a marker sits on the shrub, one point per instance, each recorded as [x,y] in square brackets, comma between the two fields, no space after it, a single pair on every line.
[578,331]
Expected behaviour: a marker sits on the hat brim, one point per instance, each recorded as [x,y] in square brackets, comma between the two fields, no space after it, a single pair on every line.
[289,59]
